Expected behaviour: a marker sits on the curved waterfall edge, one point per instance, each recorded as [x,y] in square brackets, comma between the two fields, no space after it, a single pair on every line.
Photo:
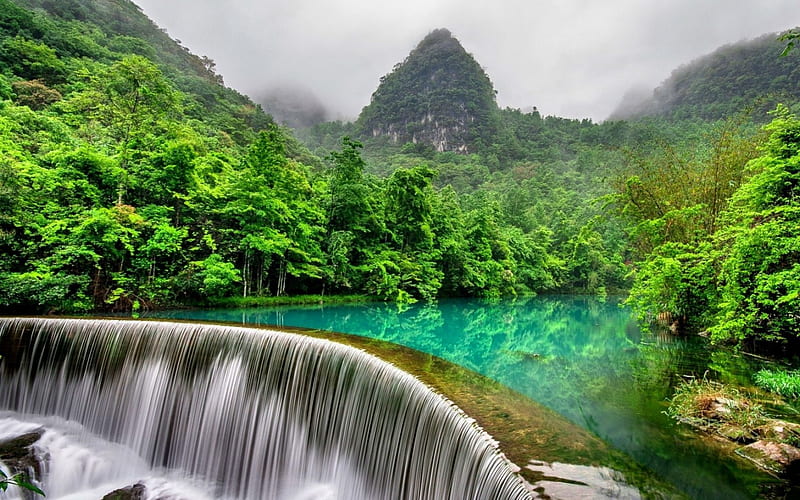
[199,353]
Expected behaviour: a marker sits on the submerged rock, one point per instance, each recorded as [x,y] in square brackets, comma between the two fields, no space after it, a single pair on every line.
[779,458]
[737,433]
[135,492]
[778,430]
[569,482]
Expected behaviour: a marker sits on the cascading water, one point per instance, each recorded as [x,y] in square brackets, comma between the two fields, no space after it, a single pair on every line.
[244,413]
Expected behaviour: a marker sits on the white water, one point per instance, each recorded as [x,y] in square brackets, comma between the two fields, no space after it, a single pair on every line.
[81,466]
[223,412]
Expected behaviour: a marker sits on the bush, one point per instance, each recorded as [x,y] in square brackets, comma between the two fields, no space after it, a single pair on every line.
[785,383]
[711,405]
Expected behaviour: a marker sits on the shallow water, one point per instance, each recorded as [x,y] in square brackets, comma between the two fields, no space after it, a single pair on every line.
[584,358]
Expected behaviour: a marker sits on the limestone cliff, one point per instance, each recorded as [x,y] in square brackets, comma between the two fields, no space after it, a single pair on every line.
[439,95]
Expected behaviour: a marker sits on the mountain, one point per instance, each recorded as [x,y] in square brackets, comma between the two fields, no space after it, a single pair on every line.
[732,79]
[439,95]
[73,32]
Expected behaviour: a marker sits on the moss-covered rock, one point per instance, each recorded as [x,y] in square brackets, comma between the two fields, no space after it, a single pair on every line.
[779,458]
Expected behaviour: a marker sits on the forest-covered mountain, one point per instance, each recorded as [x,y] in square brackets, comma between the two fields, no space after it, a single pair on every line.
[131,177]
[102,30]
[735,78]
[439,95]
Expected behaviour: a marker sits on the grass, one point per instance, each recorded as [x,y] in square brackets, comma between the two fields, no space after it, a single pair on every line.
[783,382]
[713,406]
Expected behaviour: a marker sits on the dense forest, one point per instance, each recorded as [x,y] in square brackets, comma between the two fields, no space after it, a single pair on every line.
[131,177]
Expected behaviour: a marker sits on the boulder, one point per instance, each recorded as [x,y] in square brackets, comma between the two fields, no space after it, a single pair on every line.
[778,430]
[779,458]
[135,492]
[19,456]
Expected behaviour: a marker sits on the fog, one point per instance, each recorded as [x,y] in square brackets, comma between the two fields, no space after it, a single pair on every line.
[570,58]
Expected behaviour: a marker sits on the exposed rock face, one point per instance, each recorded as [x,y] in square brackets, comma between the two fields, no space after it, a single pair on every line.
[567,482]
[135,492]
[439,95]
[780,458]
[19,455]
[778,430]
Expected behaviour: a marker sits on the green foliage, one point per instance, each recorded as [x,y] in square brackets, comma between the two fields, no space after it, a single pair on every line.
[760,277]
[677,281]
[56,291]
[783,382]
[710,405]
[6,89]
[32,60]
[736,273]
[131,178]
[790,37]
[19,480]
[215,277]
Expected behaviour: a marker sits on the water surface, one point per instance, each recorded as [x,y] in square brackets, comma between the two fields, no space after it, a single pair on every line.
[584,358]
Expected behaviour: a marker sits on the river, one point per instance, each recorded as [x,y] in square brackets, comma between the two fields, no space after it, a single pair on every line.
[582,357]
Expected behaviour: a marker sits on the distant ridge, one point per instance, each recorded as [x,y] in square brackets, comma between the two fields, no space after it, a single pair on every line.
[732,79]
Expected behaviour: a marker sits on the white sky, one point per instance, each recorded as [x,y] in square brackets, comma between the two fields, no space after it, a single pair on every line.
[570,58]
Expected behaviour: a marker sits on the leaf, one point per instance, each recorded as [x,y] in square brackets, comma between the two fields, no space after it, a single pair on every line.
[24,483]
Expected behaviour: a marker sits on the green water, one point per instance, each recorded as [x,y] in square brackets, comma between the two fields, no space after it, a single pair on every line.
[583,358]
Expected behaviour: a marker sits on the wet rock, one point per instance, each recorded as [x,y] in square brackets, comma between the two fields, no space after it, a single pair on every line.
[135,492]
[559,481]
[19,455]
[737,433]
[719,408]
[778,430]
[779,458]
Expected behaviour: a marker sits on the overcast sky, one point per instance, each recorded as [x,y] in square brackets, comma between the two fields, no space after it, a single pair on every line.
[570,58]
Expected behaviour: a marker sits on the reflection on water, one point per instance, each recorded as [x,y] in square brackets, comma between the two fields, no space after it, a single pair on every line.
[583,358]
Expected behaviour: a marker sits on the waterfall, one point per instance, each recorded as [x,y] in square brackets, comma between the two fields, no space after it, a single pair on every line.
[245,413]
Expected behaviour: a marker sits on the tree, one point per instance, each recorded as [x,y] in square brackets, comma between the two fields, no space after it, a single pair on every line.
[32,60]
[129,98]
[790,37]
[35,94]
[760,276]
[350,207]
[353,225]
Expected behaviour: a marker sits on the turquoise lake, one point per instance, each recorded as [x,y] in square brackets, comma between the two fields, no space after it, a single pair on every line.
[584,358]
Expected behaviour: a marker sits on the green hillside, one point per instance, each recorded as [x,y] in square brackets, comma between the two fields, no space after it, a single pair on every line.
[733,79]
[131,177]
[439,95]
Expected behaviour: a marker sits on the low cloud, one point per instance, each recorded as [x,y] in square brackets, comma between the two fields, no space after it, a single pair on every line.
[572,58]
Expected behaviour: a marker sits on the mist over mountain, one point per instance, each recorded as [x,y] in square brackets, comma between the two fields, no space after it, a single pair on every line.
[293,105]
[732,79]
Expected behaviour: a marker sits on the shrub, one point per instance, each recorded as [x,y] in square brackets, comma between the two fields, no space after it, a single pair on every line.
[712,405]
[785,383]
